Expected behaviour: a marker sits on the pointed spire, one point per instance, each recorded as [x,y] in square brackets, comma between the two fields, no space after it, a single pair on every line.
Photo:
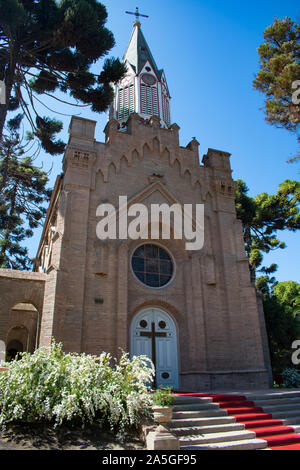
[138,51]
[144,89]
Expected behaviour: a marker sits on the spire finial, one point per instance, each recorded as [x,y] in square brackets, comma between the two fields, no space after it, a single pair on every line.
[137,14]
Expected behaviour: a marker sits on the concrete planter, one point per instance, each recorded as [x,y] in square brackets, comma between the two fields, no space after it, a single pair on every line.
[162,414]
[161,438]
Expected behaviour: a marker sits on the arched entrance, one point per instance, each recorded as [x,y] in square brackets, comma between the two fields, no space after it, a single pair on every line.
[153,334]
[14,347]
[22,331]
[20,287]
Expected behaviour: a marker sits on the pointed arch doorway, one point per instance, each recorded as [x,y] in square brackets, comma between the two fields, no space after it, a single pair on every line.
[153,334]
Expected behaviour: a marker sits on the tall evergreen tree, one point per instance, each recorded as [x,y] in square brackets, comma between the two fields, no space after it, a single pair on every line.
[22,197]
[279,75]
[263,216]
[288,292]
[281,304]
[49,46]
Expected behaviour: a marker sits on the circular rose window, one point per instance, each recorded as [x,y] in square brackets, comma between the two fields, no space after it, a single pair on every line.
[152,265]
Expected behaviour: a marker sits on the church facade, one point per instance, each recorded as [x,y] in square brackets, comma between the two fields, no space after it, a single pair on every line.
[194,312]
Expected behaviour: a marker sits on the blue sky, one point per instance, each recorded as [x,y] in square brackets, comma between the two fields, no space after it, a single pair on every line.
[208,50]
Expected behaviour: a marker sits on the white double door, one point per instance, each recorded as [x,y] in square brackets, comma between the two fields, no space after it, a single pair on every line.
[153,334]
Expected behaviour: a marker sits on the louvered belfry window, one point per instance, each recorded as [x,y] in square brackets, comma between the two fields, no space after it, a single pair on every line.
[126,104]
[166,109]
[149,100]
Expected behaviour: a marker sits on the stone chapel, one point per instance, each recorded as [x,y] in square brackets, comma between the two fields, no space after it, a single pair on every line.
[194,313]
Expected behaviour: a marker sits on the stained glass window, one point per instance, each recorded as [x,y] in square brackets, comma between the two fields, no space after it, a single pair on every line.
[152,265]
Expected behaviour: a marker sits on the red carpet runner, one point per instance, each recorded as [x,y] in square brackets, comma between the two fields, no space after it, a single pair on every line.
[278,436]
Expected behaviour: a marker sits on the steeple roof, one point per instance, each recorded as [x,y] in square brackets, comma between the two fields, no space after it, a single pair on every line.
[143,90]
[138,51]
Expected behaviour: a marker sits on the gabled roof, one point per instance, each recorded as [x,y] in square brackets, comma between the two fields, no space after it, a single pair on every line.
[138,52]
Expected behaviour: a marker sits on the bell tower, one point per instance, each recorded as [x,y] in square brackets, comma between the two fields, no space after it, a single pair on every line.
[144,89]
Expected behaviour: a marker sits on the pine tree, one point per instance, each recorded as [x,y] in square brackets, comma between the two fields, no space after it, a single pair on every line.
[288,292]
[22,197]
[281,308]
[263,216]
[279,75]
[49,46]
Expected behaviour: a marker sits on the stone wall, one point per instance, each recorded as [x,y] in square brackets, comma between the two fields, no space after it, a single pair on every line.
[20,287]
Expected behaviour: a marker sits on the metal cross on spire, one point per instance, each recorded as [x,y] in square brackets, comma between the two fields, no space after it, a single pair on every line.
[137,14]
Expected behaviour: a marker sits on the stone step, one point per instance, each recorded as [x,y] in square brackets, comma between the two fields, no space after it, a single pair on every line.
[200,424]
[273,395]
[278,401]
[288,414]
[195,406]
[296,429]
[285,406]
[245,444]
[294,420]
[199,414]
[212,428]
[205,421]
[186,399]
[210,438]
[281,407]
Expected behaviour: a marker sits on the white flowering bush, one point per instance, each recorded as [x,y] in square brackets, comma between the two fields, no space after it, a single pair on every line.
[59,387]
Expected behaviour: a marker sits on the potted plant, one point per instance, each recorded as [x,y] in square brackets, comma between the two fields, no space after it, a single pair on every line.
[162,406]
[162,438]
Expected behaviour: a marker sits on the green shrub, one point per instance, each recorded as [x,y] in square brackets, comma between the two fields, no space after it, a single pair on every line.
[163,397]
[291,378]
[59,387]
